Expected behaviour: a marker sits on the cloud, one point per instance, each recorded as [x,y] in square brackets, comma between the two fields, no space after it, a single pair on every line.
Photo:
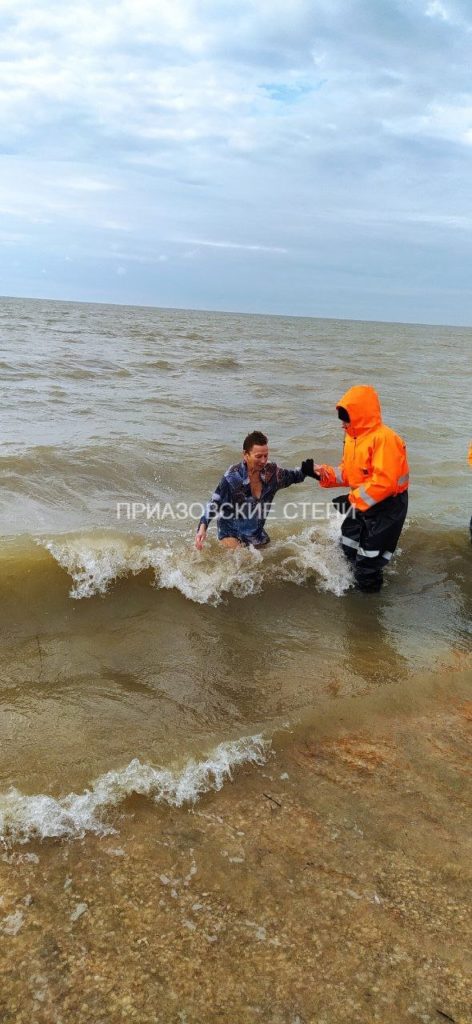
[246,247]
[85,184]
[435,9]
[452,122]
[187,78]
[236,128]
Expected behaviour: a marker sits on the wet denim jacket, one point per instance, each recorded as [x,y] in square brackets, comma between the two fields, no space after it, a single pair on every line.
[239,513]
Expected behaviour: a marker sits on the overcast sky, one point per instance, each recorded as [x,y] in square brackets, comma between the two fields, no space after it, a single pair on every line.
[309,157]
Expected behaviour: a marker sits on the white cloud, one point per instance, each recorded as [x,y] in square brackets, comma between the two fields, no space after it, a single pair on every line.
[250,126]
[435,9]
[247,247]
[86,184]
[448,122]
[141,73]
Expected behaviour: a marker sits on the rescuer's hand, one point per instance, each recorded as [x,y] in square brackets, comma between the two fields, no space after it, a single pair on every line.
[308,469]
[342,503]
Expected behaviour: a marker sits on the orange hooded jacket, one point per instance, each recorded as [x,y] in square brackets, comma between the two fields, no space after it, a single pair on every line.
[374,463]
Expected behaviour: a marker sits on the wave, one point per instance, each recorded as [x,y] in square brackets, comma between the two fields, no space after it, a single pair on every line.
[215,363]
[24,817]
[95,562]
[72,479]
[100,370]
[62,370]
[158,364]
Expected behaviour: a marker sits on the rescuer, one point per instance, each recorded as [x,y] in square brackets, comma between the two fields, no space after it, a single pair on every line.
[375,468]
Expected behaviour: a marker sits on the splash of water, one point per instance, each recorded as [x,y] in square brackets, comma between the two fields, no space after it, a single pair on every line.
[39,816]
[95,561]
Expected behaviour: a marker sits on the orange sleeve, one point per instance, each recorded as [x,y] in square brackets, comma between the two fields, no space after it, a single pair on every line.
[470,454]
[333,476]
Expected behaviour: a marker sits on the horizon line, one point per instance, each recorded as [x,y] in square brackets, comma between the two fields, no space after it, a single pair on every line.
[235,312]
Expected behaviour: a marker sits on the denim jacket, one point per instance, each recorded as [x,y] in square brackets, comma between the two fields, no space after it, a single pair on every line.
[239,513]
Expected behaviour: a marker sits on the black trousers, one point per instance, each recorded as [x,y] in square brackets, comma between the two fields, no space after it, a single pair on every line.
[370,538]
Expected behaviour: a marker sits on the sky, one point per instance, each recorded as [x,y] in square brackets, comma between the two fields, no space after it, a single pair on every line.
[310,157]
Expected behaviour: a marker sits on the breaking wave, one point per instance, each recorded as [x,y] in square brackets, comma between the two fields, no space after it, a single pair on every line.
[216,363]
[23,817]
[95,562]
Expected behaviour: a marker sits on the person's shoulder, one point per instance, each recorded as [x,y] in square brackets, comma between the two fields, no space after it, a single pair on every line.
[235,473]
[389,434]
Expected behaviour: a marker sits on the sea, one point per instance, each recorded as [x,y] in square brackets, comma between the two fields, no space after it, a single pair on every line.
[132,663]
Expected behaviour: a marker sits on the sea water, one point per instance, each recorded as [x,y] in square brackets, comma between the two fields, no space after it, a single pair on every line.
[130,663]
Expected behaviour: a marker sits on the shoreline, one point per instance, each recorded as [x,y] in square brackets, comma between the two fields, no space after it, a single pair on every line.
[329,886]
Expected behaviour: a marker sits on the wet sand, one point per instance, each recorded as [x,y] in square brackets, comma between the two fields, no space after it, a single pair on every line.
[332,885]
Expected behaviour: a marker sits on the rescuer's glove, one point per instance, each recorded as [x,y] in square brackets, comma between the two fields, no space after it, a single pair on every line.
[308,469]
[342,503]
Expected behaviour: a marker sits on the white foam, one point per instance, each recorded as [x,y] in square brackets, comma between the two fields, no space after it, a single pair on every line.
[95,561]
[205,578]
[26,817]
[314,553]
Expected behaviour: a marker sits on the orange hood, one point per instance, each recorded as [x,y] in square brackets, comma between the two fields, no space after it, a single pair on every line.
[362,404]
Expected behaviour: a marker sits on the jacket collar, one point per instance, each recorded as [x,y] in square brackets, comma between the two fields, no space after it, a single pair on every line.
[244,473]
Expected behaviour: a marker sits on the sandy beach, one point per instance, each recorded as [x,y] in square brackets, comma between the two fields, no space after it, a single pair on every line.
[331,886]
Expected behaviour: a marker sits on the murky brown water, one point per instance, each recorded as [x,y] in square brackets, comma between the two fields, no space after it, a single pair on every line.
[137,678]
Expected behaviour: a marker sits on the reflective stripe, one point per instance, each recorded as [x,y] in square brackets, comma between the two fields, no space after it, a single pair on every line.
[348,543]
[366,497]
[403,479]
[339,476]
